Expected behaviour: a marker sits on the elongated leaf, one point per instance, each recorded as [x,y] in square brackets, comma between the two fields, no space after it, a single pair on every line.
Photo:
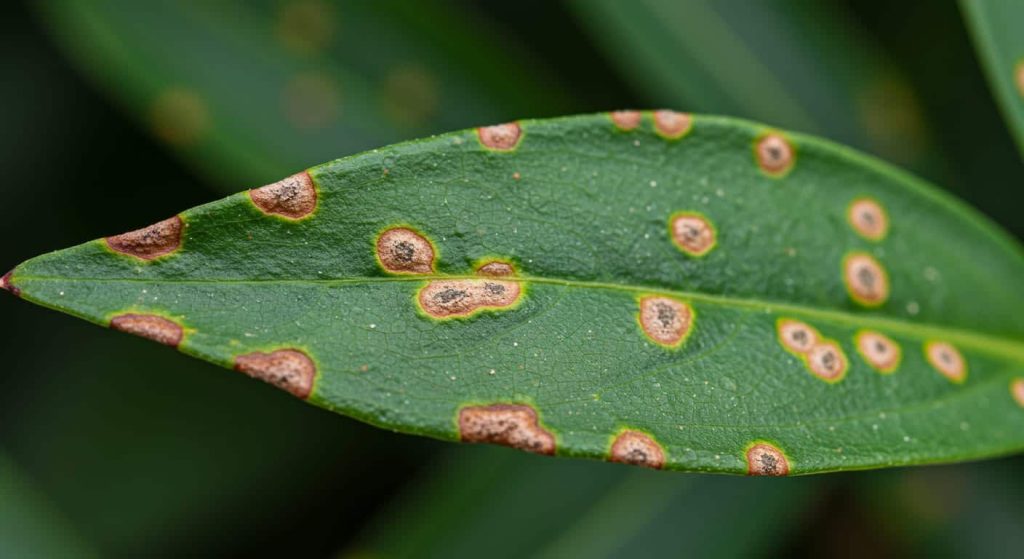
[693,293]
[251,90]
[996,30]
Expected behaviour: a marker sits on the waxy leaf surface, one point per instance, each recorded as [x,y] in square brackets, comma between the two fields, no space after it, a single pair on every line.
[675,291]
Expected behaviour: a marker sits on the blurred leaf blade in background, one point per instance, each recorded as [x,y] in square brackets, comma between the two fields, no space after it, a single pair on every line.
[996,30]
[471,499]
[253,91]
[464,273]
[30,525]
[801,65]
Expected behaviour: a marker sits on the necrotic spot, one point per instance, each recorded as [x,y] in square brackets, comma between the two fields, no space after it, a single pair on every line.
[496,268]
[1017,390]
[947,360]
[671,124]
[512,425]
[666,321]
[692,233]
[868,219]
[865,279]
[501,137]
[796,336]
[5,283]
[150,242]
[293,197]
[149,326]
[626,120]
[404,251]
[827,361]
[638,449]
[764,459]
[288,369]
[880,351]
[774,154]
[463,297]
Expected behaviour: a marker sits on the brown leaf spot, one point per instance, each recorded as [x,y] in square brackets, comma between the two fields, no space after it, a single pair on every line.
[638,449]
[288,369]
[496,268]
[764,459]
[501,137]
[827,361]
[512,425]
[671,124]
[5,283]
[866,280]
[1017,389]
[879,350]
[796,336]
[150,242]
[692,233]
[947,360]
[868,219]
[293,197]
[149,326]
[404,251]
[463,297]
[626,120]
[774,154]
[664,320]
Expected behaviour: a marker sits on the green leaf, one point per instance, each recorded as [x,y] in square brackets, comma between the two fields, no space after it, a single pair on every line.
[249,91]
[996,29]
[800,65]
[31,525]
[470,500]
[653,272]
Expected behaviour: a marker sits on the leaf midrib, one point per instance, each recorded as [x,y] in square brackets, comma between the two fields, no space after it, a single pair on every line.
[991,344]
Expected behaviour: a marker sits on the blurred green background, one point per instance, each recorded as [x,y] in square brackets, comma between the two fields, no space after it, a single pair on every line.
[118,113]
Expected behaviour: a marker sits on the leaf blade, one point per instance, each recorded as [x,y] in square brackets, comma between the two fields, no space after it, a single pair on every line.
[583,211]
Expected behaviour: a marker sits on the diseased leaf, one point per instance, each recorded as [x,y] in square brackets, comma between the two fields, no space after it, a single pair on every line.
[250,90]
[996,29]
[693,293]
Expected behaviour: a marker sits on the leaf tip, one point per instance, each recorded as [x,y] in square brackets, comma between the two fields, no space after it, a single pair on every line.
[7,284]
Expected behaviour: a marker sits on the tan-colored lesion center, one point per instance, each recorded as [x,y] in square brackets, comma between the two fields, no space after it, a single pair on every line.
[774,154]
[512,425]
[403,251]
[638,449]
[764,459]
[294,197]
[149,243]
[665,320]
[288,369]
[693,234]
